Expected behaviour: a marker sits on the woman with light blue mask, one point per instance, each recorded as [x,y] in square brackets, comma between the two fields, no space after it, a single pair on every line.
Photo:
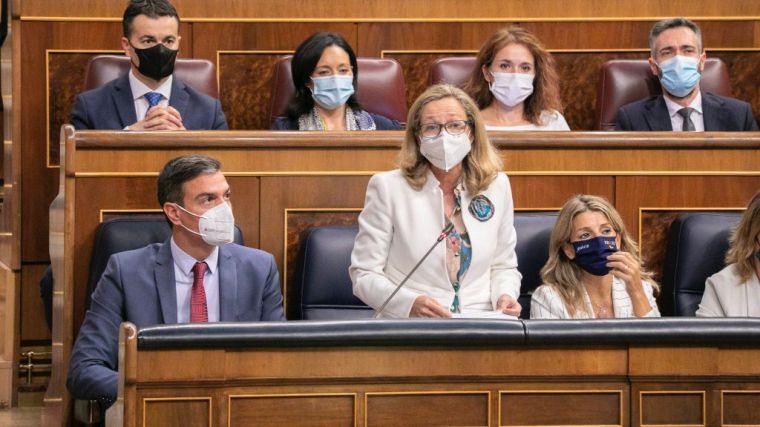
[324,71]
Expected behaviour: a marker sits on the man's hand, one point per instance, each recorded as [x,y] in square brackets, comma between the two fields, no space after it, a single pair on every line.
[160,118]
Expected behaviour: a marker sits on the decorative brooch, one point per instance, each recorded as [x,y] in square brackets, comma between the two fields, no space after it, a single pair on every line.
[481,208]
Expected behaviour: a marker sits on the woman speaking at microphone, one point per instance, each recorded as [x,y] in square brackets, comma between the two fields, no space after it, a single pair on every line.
[449,174]
[594,270]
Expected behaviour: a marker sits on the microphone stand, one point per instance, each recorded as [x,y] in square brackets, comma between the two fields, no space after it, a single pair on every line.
[445,232]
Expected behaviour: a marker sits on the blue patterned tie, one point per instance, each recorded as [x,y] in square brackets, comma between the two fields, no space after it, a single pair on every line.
[153,98]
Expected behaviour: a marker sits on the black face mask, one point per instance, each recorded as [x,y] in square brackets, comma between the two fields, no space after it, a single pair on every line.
[156,62]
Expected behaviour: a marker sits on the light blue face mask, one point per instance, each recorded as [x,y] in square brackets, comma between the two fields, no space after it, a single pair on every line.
[331,92]
[679,75]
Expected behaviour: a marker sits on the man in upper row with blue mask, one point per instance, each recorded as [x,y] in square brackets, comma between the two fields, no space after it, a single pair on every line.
[678,60]
[197,275]
[149,97]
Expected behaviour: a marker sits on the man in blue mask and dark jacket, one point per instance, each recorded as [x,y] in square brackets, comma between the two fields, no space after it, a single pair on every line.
[149,97]
[678,60]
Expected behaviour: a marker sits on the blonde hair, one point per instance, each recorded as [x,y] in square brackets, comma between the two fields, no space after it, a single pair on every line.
[481,165]
[545,94]
[744,238]
[564,275]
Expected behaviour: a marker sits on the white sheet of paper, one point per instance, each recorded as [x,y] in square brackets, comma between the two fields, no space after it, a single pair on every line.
[478,314]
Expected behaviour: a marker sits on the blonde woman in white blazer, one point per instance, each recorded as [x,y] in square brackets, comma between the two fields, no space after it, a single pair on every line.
[449,172]
[735,290]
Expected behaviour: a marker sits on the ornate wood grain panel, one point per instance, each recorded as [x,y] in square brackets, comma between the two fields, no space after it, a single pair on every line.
[187,412]
[427,409]
[742,70]
[293,410]
[577,407]
[673,408]
[297,221]
[739,407]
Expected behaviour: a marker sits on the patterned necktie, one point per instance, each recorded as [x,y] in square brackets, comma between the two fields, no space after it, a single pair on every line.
[688,125]
[198,308]
[153,98]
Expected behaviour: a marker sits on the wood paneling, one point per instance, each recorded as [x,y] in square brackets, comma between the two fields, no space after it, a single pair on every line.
[293,410]
[401,9]
[524,408]
[740,407]
[672,408]
[420,409]
[33,325]
[184,412]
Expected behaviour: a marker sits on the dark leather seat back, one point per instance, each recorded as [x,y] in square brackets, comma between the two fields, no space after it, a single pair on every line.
[623,81]
[323,283]
[380,90]
[697,245]
[533,232]
[199,74]
[453,70]
[124,234]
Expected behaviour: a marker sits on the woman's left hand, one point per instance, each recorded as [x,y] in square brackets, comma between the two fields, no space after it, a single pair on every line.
[626,268]
[508,305]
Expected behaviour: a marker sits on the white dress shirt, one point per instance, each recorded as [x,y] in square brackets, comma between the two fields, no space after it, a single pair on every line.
[139,90]
[546,303]
[550,120]
[726,296]
[183,276]
[697,117]
[399,224]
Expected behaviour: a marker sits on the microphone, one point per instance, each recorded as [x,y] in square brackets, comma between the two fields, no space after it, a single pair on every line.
[445,232]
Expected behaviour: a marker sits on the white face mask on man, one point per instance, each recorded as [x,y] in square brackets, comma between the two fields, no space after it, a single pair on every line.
[445,150]
[511,88]
[216,226]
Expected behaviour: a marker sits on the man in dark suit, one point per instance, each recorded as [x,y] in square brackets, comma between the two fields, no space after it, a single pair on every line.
[678,59]
[149,97]
[197,275]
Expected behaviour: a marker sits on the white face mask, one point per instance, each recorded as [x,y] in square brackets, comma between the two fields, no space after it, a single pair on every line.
[511,88]
[216,226]
[446,151]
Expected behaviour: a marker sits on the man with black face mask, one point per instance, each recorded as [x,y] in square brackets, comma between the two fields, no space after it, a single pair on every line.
[149,97]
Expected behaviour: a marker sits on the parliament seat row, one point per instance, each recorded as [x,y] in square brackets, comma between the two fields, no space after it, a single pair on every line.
[381,89]
[697,244]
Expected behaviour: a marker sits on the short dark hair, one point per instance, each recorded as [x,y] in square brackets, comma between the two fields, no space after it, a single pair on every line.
[304,62]
[150,8]
[667,24]
[180,170]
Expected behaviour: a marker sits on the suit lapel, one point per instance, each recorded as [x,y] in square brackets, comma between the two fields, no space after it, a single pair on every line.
[166,284]
[656,115]
[713,113]
[125,104]
[227,286]
[179,96]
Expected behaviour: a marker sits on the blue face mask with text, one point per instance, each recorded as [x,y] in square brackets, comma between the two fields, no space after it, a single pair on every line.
[331,92]
[591,255]
[679,75]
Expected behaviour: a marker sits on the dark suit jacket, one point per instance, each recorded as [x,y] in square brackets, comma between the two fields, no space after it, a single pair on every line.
[381,123]
[720,114]
[138,286]
[111,107]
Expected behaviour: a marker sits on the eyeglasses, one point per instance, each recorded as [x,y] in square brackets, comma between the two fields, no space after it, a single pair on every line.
[454,127]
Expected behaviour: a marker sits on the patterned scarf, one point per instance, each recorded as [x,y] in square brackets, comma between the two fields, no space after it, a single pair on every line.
[359,120]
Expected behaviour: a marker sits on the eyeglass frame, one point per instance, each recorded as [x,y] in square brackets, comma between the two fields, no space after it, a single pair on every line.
[467,122]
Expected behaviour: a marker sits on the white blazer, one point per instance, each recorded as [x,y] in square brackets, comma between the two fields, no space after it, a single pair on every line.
[399,224]
[726,296]
[546,303]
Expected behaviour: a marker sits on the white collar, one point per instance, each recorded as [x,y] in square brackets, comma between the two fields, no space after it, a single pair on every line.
[139,89]
[185,262]
[674,107]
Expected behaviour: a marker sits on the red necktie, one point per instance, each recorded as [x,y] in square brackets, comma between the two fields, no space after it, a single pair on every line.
[198,309]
